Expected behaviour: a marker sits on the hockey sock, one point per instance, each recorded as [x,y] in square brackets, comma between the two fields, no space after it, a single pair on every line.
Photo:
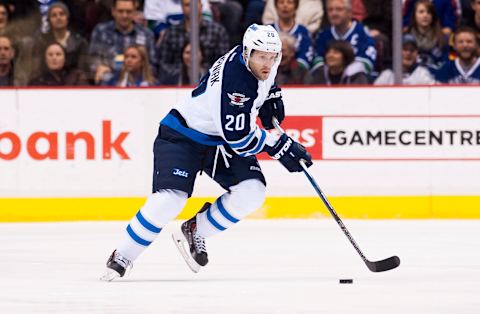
[159,209]
[231,207]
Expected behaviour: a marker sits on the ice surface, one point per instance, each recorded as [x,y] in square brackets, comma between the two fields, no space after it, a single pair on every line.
[275,266]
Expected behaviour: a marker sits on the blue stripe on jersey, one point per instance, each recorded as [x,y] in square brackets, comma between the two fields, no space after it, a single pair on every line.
[172,122]
[146,224]
[213,222]
[224,211]
[242,143]
[136,238]
[257,148]
[260,144]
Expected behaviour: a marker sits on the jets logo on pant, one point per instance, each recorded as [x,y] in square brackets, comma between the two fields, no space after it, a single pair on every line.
[180,173]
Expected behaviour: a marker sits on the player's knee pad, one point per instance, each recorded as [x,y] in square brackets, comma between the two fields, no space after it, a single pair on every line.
[163,206]
[245,197]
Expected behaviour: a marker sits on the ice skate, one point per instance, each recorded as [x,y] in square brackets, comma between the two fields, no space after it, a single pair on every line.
[117,265]
[190,244]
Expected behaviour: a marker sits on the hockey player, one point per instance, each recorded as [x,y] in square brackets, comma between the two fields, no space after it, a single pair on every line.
[215,131]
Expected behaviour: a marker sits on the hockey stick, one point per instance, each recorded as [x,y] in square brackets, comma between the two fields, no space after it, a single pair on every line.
[376,266]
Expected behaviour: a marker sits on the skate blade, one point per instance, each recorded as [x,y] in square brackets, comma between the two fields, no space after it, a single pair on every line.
[109,275]
[180,241]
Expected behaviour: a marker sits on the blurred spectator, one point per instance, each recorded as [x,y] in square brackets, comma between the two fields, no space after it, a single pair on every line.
[183,77]
[465,69]
[344,28]
[43,6]
[339,66]
[135,71]
[96,12]
[110,39]
[413,72]
[55,71]
[465,9]
[229,13]
[213,37]
[289,71]
[425,27]
[309,14]
[473,20]
[20,44]
[161,14]
[448,12]
[253,13]
[7,53]
[378,20]
[286,23]
[4,17]
[26,17]
[75,45]
[378,17]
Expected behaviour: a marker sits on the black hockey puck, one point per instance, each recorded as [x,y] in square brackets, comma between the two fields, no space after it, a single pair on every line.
[346,280]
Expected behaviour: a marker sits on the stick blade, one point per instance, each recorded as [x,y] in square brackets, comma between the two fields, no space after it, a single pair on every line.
[383,265]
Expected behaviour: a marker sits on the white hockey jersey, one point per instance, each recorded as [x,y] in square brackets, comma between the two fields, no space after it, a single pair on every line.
[223,108]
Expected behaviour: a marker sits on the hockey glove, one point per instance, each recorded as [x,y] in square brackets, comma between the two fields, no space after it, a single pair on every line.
[289,153]
[272,107]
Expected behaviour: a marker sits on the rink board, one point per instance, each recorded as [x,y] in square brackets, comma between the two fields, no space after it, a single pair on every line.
[85,154]
[417,207]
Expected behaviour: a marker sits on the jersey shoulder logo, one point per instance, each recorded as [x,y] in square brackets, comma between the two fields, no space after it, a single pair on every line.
[237,99]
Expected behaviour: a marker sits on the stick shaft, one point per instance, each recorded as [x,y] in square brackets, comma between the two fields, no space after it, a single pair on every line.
[325,200]
[333,212]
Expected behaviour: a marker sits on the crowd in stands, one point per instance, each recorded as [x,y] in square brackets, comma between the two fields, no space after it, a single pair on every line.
[146,43]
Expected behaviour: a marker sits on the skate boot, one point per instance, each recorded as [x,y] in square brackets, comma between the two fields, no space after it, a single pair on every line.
[117,265]
[190,244]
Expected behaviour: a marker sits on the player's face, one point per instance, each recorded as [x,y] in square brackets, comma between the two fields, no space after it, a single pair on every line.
[133,60]
[6,51]
[55,57]
[409,55]
[123,13]
[286,9]
[58,18]
[3,17]
[337,12]
[261,63]
[465,45]
[422,16]
[334,58]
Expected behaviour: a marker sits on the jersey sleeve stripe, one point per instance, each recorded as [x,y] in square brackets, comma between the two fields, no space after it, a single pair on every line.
[242,143]
[253,143]
[261,134]
[260,144]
